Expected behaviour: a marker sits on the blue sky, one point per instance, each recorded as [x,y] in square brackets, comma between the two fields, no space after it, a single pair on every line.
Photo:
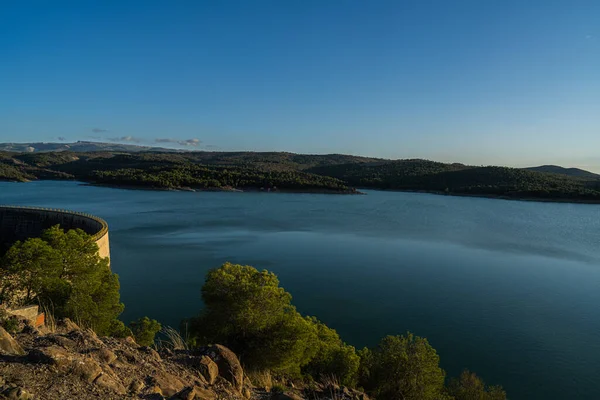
[483,82]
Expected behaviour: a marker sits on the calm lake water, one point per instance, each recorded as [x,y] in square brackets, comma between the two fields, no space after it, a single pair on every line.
[508,289]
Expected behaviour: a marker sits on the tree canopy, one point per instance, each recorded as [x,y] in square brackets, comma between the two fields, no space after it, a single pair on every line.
[63,272]
[402,367]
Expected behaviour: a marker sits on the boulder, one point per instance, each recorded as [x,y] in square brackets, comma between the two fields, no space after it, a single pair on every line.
[104,355]
[8,345]
[187,393]
[86,338]
[110,383]
[205,394]
[136,386]
[62,340]
[229,365]
[53,355]
[208,369]
[153,354]
[169,384]
[88,369]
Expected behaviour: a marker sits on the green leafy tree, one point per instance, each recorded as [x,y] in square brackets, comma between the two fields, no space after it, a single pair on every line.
[29,270]
[470,387]
[144,330]
[402,367]
[334,358]
[246,310]
[63,271]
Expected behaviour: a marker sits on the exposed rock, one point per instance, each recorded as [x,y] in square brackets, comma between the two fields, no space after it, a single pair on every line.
[151,352]
[287,396]
[229,365]
[136,386]
[104,355]
[51,355]
[88,369]
[62,341]
[79,365]
[169,384]
[111,383]
[8,345]
[205,394]
[187,393]
[208,369]
[86,338]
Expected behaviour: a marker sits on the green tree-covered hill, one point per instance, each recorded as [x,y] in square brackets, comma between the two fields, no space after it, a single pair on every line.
[333,173]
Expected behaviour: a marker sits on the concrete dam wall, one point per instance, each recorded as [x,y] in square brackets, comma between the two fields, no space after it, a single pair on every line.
[21,223]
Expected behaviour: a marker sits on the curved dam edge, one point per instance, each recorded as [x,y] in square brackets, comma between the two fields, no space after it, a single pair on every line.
[22,223]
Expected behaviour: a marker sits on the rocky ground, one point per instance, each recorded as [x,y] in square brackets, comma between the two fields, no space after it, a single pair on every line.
[67,362]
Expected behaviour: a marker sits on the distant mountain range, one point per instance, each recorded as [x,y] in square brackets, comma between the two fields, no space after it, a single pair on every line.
[81,146]
[555,169]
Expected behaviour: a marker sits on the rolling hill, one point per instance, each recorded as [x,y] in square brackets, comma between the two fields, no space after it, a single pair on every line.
[331,173]
[555,169]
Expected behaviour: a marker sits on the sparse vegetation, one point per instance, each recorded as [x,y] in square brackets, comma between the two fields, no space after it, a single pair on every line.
[246,310]
[144,330]
[470,387]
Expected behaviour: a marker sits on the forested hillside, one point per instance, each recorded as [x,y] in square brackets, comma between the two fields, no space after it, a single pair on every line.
[332,173]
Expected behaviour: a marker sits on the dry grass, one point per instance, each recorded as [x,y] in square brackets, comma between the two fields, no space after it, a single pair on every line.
[331,382]
[173,339]
[261,379]
[49,319]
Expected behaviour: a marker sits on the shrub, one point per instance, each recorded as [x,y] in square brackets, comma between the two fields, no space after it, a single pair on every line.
[10,324]
[144,330]
[334,358]
[470,387]
[246,310]
[402,367]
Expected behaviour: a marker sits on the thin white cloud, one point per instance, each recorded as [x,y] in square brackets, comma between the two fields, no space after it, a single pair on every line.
[131,139]
[181,142]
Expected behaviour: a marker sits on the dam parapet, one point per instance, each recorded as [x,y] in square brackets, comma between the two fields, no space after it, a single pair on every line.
[22,223]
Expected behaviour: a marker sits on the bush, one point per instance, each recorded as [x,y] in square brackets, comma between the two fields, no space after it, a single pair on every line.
[402,367]
[246,310]
[144,330]
[470,387]
[10,324]
[334,358]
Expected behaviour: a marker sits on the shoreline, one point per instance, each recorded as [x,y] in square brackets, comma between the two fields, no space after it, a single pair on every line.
[223,189]
[490,196]
[358,191]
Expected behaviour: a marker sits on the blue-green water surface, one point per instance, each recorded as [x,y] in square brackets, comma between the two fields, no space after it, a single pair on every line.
[508,289]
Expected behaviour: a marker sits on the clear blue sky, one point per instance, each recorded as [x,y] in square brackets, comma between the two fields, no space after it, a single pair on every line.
[482,81]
